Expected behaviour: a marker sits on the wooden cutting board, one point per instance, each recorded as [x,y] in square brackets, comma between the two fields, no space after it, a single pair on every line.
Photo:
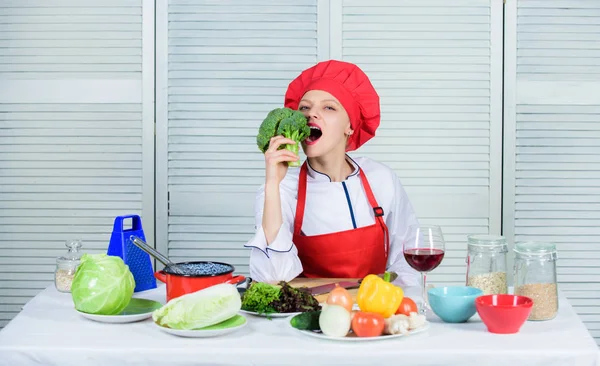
[313,282]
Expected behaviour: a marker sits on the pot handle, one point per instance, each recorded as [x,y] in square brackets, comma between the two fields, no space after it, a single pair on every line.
[161,276]
[235,280]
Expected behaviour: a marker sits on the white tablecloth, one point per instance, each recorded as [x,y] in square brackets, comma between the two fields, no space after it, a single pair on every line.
[49,332]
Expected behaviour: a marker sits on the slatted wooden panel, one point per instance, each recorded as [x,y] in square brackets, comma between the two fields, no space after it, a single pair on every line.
[436,67]
[558,142]
[229,64]
[71,133]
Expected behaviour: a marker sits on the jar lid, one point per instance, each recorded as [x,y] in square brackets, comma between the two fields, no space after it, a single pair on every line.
[73,255]
[487,240]
[535,248]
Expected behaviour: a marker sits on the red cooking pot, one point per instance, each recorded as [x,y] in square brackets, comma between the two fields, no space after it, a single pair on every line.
[196,276]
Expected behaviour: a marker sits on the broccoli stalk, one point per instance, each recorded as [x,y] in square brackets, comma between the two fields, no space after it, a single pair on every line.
[286,122]
[293,148]
[294,128]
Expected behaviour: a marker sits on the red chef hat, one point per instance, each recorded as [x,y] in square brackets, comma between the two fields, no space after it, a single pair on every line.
[350,86]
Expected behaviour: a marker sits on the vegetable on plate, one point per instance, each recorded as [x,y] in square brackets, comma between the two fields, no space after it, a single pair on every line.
[378,295]
[102,285]
[307,321]
[416,320]
[402,324]
[340,296]
[264,298]
[335,321]
[286,122]
[384,311]
[200,309]
[368,324]
[407,306]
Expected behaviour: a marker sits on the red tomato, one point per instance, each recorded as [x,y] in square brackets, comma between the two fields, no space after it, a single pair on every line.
[407,306]
[366,324]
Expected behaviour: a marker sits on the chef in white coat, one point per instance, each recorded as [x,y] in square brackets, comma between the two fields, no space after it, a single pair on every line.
[335,217]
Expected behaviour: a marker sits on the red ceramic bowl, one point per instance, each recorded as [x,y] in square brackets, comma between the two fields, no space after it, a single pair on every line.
[503,314]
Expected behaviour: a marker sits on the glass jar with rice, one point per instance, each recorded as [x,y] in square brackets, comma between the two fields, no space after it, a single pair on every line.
[487,263]
[67,265]
[535,277]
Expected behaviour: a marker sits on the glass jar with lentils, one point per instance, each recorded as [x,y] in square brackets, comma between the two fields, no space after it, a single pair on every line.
[535,277]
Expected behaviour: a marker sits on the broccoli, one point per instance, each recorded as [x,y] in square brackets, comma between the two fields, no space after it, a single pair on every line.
[287,122]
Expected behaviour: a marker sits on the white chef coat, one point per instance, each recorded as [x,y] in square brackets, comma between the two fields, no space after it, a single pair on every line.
[332,207]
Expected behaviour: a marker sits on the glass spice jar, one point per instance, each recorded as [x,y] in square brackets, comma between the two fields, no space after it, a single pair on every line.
[487,263]
[535,277]
[67,265]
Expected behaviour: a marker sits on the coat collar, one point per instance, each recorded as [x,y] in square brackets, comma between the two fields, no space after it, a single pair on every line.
[322,177]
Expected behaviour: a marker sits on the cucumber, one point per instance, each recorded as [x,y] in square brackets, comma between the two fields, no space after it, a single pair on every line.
[307,321]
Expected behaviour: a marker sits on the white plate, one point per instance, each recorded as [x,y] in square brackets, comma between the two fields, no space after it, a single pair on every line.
[353,338]
[200,333]
[137,310]
[116,319]
[270,315]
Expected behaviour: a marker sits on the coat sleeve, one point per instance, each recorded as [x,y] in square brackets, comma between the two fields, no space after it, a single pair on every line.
[401,216]
[278,261]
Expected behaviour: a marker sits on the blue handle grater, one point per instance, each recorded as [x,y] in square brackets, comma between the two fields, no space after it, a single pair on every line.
[138,261]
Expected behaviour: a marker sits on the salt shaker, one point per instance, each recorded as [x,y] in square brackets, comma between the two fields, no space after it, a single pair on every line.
[67,265]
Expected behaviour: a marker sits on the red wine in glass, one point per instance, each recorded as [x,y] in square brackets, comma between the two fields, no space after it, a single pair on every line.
[424,250]
[424,259]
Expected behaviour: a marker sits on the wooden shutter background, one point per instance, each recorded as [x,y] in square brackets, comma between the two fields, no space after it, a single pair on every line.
[71,133]
[437,66]
[553,152]
[228,63]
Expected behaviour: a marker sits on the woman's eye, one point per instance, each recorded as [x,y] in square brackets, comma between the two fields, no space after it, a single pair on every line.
[330,108]
[303,108]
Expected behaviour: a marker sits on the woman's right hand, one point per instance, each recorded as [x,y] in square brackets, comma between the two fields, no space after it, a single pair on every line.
[276,160]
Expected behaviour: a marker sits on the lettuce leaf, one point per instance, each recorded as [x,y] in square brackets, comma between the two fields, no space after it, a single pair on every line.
[264,298]
[259,296]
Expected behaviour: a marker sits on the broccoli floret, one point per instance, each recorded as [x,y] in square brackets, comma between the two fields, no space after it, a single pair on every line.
[283,121]
[268,127]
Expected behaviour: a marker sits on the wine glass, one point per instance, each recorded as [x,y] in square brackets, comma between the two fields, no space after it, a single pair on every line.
[424,251]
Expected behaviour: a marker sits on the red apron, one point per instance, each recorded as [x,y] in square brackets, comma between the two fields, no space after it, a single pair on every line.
[352,253]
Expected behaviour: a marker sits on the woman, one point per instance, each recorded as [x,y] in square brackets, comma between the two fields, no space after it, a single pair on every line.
[335,217]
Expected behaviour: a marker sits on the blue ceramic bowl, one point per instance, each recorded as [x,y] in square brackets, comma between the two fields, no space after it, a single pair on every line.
[454,304]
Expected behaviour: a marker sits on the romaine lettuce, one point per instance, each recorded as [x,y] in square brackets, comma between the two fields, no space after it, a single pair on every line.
[200,309]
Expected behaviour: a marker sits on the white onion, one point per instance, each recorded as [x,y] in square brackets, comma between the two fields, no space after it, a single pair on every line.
[335,321]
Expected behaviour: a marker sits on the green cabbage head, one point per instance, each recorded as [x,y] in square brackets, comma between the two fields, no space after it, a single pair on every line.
[103,285]
[200,309]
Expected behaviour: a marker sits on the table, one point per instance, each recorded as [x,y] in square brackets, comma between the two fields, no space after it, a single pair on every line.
[49,332]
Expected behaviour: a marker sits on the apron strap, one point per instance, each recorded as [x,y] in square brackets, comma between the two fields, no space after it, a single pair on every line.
[377,210]
[301,201]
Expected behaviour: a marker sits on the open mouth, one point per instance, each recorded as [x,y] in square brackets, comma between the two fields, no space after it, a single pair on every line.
[315,134]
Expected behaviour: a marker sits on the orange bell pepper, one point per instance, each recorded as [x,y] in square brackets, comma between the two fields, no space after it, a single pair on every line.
[377,295]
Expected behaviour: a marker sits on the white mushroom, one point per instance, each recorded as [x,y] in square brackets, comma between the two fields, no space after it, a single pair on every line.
[397,324]
[416,320]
